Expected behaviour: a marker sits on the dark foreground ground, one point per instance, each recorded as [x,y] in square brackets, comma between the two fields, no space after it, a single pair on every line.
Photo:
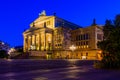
[54,70]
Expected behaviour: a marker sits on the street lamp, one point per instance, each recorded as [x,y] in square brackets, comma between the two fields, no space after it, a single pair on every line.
[3,43]
[99,55]
[72,48]
[32,47]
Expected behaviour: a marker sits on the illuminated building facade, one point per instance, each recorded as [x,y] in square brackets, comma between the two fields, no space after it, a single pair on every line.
[85,40]
[53,37]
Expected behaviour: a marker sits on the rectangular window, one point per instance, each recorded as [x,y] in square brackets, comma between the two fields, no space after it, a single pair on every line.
[87,36]
[48,22]
[86,54]
[99,36]
[82,43]
[86,42]
[81,37]
[84,37]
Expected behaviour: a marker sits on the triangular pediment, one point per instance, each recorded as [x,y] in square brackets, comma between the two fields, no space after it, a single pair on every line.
[40,19]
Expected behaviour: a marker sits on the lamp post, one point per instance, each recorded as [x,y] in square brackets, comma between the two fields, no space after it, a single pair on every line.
[32,47]
[72,48]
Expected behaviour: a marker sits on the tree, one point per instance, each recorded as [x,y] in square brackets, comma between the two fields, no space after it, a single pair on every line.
[107,29]
[117,21]
[3,54]
[111,44]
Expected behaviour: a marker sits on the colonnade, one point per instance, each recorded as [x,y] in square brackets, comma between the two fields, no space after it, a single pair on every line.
[38,41]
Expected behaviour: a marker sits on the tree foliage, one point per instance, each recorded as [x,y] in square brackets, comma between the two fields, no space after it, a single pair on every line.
[111,44]
[3,54]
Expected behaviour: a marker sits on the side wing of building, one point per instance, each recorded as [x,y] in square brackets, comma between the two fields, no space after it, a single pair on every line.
[86,40]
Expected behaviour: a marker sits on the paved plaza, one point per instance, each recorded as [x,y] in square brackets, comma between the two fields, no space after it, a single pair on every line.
[54,70]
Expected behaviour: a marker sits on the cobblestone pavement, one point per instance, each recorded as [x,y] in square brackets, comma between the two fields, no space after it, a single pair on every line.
[74,72]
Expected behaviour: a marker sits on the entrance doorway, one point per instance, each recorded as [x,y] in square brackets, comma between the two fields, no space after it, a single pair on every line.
[49,55]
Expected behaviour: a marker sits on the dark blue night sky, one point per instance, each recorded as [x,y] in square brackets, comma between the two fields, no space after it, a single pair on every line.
[16,15]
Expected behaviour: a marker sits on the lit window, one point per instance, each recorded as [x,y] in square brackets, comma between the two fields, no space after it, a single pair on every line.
[87,46]
[48,23]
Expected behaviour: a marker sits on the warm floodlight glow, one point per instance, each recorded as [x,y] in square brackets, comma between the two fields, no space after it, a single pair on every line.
[49,40]
[72,47]
[11,51]
[32,47]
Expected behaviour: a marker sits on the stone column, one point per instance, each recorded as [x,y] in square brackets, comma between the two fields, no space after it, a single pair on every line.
[25,43]
[52,44]
[35,41]
[39,41]
[30,40]
[45,41]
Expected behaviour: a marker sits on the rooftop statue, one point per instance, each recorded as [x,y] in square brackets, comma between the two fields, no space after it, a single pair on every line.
[43,13]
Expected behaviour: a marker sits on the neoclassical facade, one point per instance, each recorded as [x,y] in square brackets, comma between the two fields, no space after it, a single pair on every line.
[52,37]
[85,40]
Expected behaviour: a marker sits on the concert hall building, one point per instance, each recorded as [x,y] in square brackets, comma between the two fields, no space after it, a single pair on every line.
[51,37]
